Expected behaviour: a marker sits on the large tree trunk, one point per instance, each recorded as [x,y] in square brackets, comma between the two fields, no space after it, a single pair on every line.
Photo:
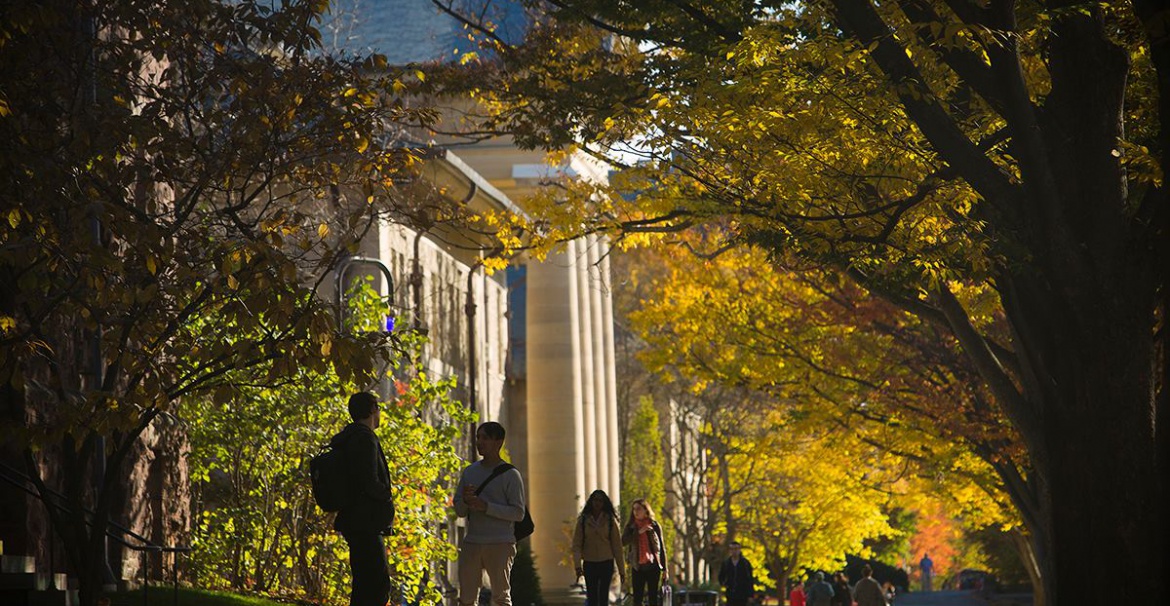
[1086,347]
[1101,467]
[1090,294]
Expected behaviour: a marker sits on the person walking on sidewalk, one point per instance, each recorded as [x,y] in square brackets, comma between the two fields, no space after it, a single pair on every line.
[597,548]
[868,592]
[491,497]
[819,592]
[842,594]
[647,553]
[926,567]
[796,594]
[735,575]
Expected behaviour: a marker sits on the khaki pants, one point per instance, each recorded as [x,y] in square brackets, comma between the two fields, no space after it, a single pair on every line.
[496,559]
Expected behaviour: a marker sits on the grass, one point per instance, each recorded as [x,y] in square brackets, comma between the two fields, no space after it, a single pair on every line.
[165,596]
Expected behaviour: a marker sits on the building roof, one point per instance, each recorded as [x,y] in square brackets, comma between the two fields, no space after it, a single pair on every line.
[449,166]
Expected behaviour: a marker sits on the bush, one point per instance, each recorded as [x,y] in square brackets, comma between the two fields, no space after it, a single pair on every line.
[525,580]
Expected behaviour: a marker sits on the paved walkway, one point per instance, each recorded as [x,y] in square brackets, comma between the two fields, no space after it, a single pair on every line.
[960,598]
[939,598]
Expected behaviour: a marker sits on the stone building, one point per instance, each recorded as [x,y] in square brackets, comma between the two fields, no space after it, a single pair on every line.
[539,353]
[532,347]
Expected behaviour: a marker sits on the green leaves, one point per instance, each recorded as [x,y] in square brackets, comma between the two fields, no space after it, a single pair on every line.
[182,182]
[259,526]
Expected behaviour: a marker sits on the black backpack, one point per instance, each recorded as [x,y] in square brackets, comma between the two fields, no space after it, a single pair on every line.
[523,528]
[327,474]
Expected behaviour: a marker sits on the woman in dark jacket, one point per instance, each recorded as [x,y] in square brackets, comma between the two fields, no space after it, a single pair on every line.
[646,553]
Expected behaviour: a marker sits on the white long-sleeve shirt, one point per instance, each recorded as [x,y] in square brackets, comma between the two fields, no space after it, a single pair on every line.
[504,496]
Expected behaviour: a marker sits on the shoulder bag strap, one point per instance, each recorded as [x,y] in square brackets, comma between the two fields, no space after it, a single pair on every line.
[500,469]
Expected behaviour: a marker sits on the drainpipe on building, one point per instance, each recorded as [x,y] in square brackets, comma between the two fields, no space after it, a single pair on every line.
[416,281]
[469,310]
[472,362]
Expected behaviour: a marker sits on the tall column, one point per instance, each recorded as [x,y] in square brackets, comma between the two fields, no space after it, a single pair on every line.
[588,370]
[610,365]
[600,391]
[555,415]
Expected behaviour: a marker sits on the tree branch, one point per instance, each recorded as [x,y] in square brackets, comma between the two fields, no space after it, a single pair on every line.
[965,63]
[861,20]
[988,365]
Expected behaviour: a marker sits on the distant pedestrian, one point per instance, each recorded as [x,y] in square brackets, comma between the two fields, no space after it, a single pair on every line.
[647,553]
[890,590]
[736,577]
[868,592]
[597,548]
[796,594]
[819,592]
[367,512]
[842,594]
[926,567]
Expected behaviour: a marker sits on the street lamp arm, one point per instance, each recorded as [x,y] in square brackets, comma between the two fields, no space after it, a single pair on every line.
[342,269]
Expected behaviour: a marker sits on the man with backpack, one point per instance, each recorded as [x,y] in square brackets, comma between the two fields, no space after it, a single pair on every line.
[490,495]
[367,509]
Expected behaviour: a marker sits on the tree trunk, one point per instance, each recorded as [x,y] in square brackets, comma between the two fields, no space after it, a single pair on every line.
[1101,472]
[1082,307]
[1089,347]
[1027,552]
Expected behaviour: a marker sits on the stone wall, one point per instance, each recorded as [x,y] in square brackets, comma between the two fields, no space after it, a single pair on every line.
[154,500]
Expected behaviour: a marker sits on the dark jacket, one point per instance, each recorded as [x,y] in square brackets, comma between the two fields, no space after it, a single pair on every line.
[737,579]
[842,594]
[369,504]
[820,593]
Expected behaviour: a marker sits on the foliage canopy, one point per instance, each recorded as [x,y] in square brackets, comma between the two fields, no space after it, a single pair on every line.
[180,179]
[921,147]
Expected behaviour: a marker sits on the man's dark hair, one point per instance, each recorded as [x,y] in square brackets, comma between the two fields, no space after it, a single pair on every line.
[362,404]
[493,430]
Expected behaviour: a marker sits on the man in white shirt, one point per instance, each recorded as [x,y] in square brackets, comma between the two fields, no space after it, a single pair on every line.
[492,500]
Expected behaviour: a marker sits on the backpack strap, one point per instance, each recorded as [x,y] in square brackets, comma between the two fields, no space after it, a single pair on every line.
[500,469]
[581,519]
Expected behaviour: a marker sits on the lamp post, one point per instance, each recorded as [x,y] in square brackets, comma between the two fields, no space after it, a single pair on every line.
[339,292]
[340,297]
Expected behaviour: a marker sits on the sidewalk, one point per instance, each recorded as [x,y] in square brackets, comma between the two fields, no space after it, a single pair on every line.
[961,598]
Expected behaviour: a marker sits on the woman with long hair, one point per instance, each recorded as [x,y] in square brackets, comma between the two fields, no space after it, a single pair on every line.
[647,552]
[597,548]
